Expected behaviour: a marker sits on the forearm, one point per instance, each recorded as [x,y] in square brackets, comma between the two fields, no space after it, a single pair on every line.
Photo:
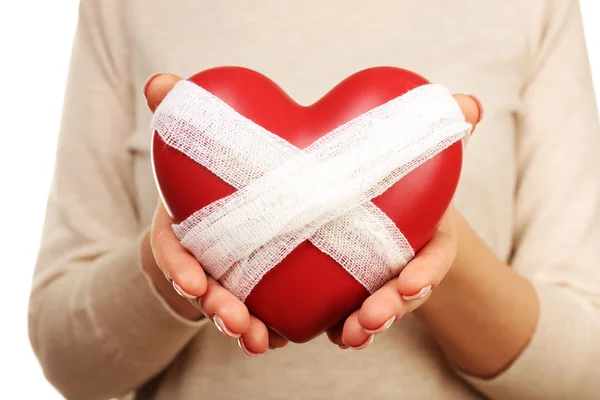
[100,330]
[537,338]
[483,313]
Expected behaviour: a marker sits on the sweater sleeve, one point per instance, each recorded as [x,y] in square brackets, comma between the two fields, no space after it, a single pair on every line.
[96,323]
[557,243]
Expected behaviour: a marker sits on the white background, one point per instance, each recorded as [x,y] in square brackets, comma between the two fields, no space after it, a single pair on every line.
[35,45]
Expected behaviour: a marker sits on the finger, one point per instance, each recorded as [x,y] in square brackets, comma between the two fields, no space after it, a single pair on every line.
[471,107]
[228,313]
[173,259]
[431,264]
[335,335]
[382,309]
[354,335]
[157,87]
[256,340]
[276,341]
[417,302]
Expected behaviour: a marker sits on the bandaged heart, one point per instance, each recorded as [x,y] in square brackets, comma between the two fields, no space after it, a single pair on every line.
[304,211]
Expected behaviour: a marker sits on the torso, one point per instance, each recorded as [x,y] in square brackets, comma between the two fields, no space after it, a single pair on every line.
[308,47]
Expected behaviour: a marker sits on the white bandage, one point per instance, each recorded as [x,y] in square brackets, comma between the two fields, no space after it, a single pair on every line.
[322,193]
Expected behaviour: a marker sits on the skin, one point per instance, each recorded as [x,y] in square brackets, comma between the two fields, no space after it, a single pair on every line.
[455,285]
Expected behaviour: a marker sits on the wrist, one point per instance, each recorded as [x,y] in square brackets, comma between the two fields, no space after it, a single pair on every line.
[163,286]
[468,277]
[483,313]
[447,293]
[458,278]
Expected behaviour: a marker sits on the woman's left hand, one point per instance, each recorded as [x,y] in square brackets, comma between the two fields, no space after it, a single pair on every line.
[413,286]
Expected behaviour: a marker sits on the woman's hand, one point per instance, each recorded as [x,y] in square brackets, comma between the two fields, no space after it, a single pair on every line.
[180,279]
[414,285]
[182,282]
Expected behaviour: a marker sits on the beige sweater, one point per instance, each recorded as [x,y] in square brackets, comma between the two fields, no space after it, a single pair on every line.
[531,189]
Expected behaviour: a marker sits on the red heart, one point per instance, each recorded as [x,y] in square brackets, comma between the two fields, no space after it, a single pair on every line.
[308,292]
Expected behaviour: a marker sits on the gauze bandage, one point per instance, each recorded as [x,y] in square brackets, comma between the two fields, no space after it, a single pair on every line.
[322,193]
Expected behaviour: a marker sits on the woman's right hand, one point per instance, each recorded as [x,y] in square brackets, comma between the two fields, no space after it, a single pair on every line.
[180,279]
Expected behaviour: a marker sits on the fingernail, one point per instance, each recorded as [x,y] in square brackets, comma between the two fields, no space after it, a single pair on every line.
[365,344]
[196,303]
[240,342]
[382,328]
[149,81]
[479,105]
[422,293]
[182,292]
[223,329]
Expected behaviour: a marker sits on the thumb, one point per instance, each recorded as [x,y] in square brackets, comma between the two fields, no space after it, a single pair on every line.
[471,107]
[157,87]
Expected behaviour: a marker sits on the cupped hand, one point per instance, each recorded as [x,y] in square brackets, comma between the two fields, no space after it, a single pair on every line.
[185,274]
[395,299]
[415,283]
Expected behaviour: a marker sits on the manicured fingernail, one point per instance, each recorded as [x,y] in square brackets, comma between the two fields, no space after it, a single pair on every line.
[240,342]
[149,81]
[196,303]
[223,329]
[365,344]
[182,292]
[479,105]
[382,328]
[422,293]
